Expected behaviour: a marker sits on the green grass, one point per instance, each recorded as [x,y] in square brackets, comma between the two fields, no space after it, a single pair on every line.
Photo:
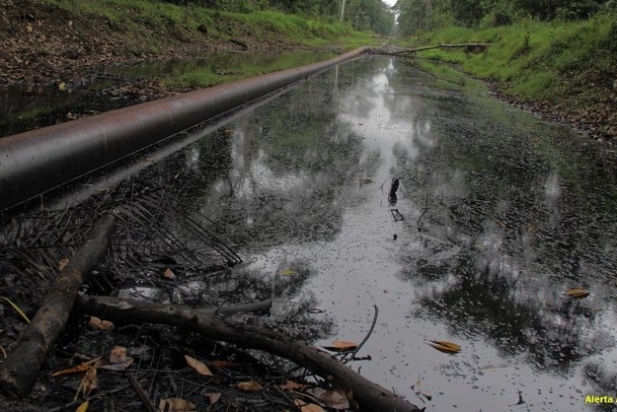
[537,60]
[205,75]
[147,26]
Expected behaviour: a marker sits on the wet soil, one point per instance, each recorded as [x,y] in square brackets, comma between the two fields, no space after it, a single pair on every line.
[43,44]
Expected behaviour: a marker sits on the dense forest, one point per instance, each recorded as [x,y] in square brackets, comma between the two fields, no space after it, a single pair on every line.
[419,15]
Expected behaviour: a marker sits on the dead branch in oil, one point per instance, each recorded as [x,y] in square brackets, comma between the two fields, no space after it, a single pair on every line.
[368,394]
[141,393]
[19,371]
[366,338]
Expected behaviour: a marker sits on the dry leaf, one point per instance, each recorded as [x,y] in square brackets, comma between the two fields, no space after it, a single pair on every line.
[577,293]
[89,383]
[288,272]
[332,398]
[213,397]
[169,274]
[445,346]
[97,323]
[74,369]
[62,86]
[198,366]
[118,360]
[83,407]
[176,405]
[341,346]
[63,263]
[292,386]
[249,386]
[118,355]
[219,363]
[308,407]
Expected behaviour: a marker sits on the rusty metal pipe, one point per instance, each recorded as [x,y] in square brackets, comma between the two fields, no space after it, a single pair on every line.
[39,160]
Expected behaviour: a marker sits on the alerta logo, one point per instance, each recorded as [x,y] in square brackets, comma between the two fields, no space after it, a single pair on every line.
[599,399]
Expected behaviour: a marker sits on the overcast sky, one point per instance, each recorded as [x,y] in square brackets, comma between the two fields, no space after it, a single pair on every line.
[389,2]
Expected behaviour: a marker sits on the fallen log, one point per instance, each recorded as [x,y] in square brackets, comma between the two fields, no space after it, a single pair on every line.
[19,371]
[471,47]
[369,395]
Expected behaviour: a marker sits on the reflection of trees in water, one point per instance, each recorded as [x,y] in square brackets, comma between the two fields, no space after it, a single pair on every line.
[486,188]
[506,179]
[284,170]
[554,335]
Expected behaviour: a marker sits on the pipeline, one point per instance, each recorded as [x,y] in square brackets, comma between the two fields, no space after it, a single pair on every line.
[39,160]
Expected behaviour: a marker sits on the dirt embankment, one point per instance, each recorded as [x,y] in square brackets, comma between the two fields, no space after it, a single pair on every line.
[44,44]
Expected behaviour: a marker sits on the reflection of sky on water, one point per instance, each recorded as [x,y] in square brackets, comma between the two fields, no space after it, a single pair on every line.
[483,257]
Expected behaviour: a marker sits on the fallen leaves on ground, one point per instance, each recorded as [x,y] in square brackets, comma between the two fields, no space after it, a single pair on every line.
[83,407]
[577,293]
[341,346]
[169,274]
[445,346]
[117,359]
[332,398]
[288,272]
[62,264]
[292,386]
[201,368]
[249,386]
[308,407]
[78,368]
[89,383]
[213,397]
[176,405]
[98,323]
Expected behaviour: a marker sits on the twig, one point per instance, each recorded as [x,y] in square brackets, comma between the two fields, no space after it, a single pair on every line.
[422,215]
[368,335]
[369,395]
[283,394]
[101,395]
[142,394]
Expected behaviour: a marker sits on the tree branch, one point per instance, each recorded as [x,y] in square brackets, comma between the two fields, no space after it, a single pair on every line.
[368,394]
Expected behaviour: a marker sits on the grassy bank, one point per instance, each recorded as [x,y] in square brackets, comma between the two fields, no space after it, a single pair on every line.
[148,26]
[54,41]
[566,66]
